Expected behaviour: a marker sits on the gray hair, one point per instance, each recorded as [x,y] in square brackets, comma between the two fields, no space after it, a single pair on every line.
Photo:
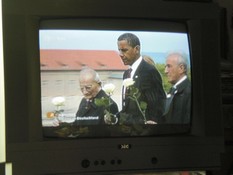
[91,73]
[182,59]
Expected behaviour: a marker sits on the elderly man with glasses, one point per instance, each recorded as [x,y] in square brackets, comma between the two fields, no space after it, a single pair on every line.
[89,113]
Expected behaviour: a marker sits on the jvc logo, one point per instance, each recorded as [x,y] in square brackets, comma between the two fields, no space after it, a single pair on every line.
[124,146]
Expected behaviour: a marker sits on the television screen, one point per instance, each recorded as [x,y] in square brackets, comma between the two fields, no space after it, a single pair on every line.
[65,51]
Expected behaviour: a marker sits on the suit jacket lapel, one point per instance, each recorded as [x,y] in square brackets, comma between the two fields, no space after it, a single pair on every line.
[83,108]
[178,90]
[139,73]
[180,87]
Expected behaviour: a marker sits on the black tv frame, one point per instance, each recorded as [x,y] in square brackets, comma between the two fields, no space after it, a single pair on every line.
[30,153]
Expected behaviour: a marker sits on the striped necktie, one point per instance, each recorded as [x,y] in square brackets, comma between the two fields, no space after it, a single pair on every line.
[128,73]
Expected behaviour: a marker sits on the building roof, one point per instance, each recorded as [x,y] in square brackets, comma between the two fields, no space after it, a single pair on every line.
[52,59]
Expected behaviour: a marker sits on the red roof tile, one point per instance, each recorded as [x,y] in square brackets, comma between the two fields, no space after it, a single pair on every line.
[77,59]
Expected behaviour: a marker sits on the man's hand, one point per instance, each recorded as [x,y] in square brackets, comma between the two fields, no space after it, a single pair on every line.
[151,122]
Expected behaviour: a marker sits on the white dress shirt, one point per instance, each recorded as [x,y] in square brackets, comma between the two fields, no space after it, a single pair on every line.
[135,66]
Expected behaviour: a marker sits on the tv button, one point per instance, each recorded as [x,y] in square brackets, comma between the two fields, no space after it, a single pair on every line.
[85,163]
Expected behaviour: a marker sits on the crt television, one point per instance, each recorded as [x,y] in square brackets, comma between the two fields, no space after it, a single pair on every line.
[31,145]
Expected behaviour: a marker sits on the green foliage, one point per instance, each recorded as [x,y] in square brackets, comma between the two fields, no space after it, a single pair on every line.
[104,101]
[134,95]
[161,69]
[69,130]
[143,105]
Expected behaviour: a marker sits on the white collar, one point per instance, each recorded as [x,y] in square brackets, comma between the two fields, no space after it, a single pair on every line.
[135,65]
[180,81]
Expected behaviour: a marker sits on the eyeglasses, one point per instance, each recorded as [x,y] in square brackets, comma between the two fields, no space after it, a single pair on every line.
[90,86]
[87,88]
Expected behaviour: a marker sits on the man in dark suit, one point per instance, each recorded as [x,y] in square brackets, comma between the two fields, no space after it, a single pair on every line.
[178,107]
[147,80]
[88,112]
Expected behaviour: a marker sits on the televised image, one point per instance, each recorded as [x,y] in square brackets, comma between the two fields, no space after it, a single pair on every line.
[105,83]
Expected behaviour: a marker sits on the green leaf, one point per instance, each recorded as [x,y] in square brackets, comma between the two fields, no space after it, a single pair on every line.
[133,90]
[143,105]
[104,101]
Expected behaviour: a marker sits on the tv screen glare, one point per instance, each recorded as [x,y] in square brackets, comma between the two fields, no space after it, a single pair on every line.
[48,43]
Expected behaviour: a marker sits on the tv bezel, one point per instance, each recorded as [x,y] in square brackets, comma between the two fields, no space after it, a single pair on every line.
[30,153]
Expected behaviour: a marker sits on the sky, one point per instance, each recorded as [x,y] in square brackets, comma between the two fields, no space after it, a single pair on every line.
[107,40]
